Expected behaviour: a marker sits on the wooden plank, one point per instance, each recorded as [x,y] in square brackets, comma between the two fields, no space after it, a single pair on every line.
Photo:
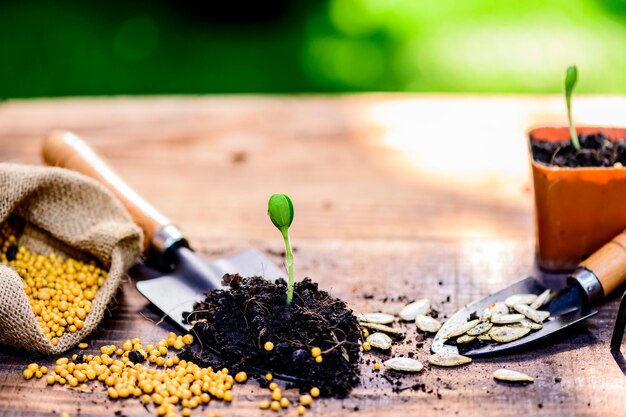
[374,217]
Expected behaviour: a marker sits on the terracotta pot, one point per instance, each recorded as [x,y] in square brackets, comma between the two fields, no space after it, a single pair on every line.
[577,210]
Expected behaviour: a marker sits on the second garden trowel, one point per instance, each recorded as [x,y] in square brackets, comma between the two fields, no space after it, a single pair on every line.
[177,277]
[589,284]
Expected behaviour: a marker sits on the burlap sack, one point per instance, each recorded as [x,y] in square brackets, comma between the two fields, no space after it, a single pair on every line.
[68,214]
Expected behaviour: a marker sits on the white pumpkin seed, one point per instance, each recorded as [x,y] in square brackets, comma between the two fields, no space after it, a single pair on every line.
[480,329]
[411,310]
[379,340]
[485,337]
[465,339]
[530,324]
[427,323]
[448,359]
[520,299]
[404,364]
[528,312]
[508,333]
[507,318]
[543,315]
[459,329]
[437,344]
[542,299]
[494,310]
[512,376]
[380,328]
[379,318]
[486,314]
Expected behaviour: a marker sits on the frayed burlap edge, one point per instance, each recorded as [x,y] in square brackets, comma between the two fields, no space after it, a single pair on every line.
[69,210]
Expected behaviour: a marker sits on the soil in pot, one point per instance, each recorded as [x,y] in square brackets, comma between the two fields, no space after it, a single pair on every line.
[233,325]
[596,150]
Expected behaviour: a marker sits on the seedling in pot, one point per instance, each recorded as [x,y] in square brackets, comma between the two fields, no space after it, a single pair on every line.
[280,210]
[571,76]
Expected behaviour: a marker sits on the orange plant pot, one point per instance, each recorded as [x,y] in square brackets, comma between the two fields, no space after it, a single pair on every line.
[577,210]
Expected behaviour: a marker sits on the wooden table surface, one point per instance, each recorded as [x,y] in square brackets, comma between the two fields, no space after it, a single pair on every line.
[395,195]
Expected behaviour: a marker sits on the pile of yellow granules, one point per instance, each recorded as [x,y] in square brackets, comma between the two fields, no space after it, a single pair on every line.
[60,290]
[175,389]
[175,386]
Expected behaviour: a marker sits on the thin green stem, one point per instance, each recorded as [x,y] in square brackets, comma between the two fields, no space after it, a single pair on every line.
[571,76]
[572,130]
[289,262]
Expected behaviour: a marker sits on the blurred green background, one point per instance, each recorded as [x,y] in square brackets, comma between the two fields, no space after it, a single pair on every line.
[61,48]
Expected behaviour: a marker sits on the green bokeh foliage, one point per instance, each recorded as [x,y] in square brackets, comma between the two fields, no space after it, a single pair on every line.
[61,48]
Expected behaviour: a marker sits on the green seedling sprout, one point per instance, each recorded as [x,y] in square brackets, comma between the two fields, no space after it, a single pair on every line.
[571,76]
[280,210]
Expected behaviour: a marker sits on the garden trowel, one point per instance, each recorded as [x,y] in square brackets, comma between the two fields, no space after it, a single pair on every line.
[589,284]
[179,277]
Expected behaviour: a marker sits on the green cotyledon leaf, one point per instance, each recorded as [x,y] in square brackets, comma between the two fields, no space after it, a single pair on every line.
[280,210]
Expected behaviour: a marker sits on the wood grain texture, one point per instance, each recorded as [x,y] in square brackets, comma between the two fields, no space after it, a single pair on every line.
[609,263]
[387,204]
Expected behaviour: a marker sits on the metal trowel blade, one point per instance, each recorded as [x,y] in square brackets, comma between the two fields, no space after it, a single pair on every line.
[173,294]
[566,309]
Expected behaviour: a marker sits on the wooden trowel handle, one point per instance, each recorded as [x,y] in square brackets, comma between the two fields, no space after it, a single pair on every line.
[65,149]
[608,264]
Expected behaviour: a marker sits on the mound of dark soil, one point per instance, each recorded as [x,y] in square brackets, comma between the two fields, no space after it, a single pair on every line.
[596,150]
[233,326]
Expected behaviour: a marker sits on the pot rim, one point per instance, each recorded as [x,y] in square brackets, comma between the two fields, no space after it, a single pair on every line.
[541,166]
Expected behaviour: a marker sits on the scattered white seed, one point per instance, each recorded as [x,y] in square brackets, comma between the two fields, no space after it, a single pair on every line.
[459,329]
[448,359]
[542,299]
[379,340]
[486,314]
[512,376]
[530,324]
[508,333]
[465,339]
[412,310]
[427,323]
[494,310]
[404,364]
[520,299]
[480,329]
[439,344]
[507,318]
[379,318]
[380,328]
[528,312]
[543,315]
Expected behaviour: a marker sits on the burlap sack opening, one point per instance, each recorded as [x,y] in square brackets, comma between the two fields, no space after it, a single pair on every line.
[71,215]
